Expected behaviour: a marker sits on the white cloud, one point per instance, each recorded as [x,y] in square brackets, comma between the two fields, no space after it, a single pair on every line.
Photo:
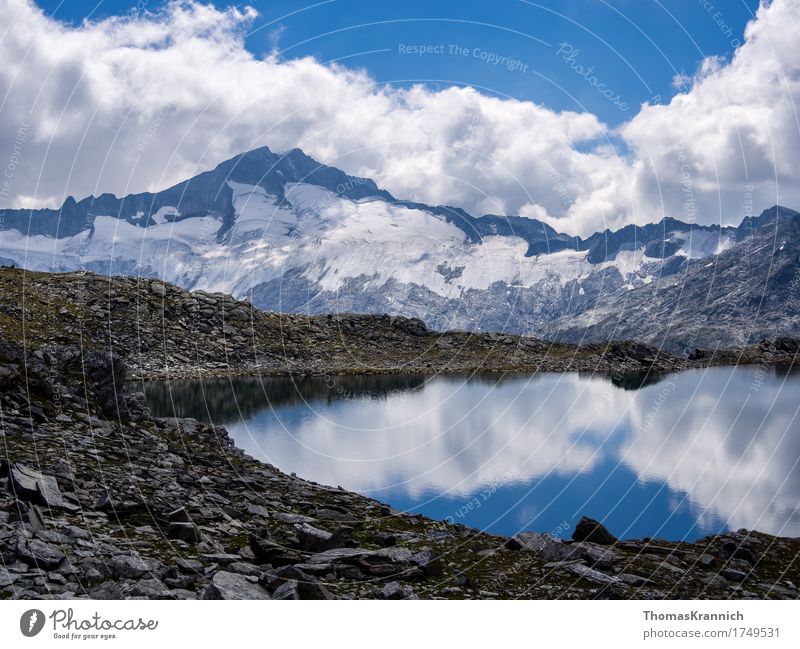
[736,127]
[138,103]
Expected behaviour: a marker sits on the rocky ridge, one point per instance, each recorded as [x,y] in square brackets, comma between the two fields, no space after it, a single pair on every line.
[99,499]
[161,331]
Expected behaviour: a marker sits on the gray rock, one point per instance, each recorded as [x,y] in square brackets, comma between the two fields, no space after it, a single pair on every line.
[591,574]
[395,555]
[151,589]
[258,510]
[394,590]
[7,578]
[222,558]
[283,517]
[107,590]
[129,567]
[732,549]
[37,553]
[34,486]
[189,566]
[266,551]
[589,529]
[243,568]
[229,585]
[312,539]
[714,580]
[50,493]
[94,570]
[302,585]
[428,561]
[341,554]
[103,500]
[187,532]
[327,514]
[287,590]
[23,482]
[634,580]
[76,532]
[731,574]
[546,546]
[598,557]
[705,560]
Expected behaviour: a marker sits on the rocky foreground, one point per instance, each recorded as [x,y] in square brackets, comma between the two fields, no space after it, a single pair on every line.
[99,499]
[162,331]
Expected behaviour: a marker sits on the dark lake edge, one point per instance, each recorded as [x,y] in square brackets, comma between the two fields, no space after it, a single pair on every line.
[363,383]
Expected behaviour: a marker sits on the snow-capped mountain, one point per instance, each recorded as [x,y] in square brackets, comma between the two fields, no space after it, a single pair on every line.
[293,235]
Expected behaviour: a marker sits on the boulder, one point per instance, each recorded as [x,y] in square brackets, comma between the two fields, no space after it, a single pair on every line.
[342,537]
[313,539]
[545,545]
[33,486]
[158,289]
[732,549]
[129,567]
[287,590]
[394,590]
[187,532]
[291,583]
[267,551]
[285,517]
[189,566]
[589,529]
[38,554]
[731,574]
[431,564]
[598,557]
[233,586]
[7,578]
[151,589]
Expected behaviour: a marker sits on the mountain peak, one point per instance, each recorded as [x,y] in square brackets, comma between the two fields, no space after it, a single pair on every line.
[770,215]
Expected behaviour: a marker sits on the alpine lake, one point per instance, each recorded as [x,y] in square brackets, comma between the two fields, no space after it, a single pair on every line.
[675,456]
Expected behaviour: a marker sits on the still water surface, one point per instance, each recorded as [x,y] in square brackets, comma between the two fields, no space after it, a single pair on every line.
[678,456]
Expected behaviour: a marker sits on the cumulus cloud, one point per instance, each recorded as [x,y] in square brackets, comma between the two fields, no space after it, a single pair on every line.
[733,132]
[141,102]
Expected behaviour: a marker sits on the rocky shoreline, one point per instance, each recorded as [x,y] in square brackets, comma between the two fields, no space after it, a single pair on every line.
[161,331]
[98,499]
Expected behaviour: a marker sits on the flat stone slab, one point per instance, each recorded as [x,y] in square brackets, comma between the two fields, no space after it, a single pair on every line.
[233,586]
[339,554]
[32,485]
[591,574]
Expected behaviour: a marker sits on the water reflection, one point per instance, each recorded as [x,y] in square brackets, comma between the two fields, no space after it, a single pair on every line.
[225,400]
[675,456]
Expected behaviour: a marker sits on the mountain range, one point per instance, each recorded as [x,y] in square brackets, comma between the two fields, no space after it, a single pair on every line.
[293,235]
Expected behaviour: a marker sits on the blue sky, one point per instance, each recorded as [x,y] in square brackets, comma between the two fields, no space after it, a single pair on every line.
[635,46]
[567,112]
